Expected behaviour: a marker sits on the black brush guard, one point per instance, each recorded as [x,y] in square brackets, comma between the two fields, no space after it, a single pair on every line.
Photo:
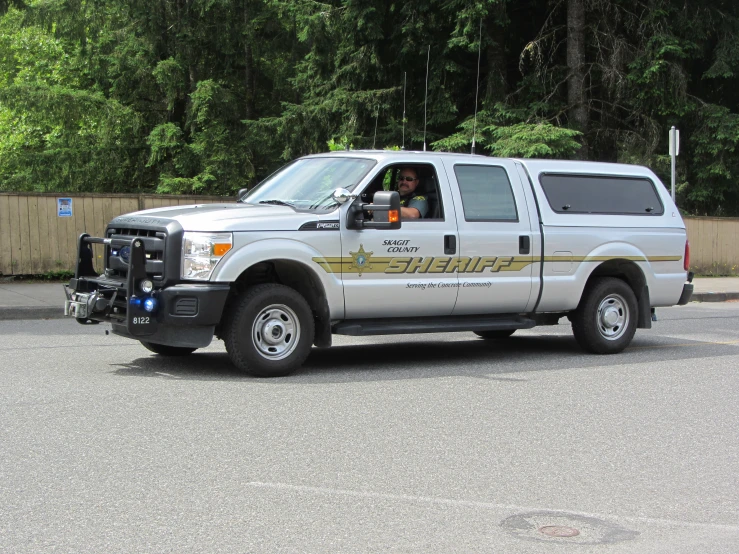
[92,298]
[187,313]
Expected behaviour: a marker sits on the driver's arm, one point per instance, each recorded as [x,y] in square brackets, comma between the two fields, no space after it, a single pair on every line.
[409,213]
[417,208]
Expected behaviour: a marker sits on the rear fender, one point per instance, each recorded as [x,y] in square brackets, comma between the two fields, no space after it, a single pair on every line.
[618,259]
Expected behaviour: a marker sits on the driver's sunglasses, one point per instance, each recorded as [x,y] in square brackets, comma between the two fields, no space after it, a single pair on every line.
[407,178]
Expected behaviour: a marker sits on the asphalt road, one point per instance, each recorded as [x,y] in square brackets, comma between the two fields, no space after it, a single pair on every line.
[436,443]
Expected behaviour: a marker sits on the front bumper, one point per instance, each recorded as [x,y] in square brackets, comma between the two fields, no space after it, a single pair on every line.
[184,314]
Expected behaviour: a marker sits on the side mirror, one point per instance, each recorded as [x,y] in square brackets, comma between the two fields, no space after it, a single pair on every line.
[342,196]
[385,210]
[241,193]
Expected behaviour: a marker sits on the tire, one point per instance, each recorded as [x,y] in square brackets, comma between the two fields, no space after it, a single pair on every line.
[605,321]
[165,350]
[497,334]
[269,332]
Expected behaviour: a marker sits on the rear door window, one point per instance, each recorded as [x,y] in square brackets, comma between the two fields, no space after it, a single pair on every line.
[601,194]
[486,193]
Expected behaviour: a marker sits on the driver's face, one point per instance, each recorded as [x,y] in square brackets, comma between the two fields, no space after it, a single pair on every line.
[406,186]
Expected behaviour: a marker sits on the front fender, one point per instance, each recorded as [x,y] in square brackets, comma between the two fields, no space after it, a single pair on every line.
[265,249]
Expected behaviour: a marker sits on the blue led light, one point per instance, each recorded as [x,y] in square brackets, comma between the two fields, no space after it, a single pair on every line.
[150,304]
[135,301]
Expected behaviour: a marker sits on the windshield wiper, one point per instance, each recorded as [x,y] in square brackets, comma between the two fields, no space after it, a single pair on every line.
[318,204]
[277,203]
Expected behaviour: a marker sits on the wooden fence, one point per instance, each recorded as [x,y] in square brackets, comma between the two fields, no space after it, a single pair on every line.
[714,245]
[34,239]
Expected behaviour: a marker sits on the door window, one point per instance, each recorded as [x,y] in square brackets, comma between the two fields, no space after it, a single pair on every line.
[427,188]
[486,193]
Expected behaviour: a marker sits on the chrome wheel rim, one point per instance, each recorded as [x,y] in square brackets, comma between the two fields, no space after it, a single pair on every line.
[613,317]
[276,332]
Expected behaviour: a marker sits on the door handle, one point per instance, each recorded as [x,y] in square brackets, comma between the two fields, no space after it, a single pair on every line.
[524,244]
[450,244]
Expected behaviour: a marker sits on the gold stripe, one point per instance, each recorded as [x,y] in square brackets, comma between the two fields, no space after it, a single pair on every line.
[345,264]
[327,266]
[579,259]
[664,258]
[517,266]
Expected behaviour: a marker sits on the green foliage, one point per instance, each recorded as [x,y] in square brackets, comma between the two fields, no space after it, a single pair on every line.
[540,140]
[517,140]
[714,155]
[170,76]
[342,144]
[57,275]
[209,96]
[56,134]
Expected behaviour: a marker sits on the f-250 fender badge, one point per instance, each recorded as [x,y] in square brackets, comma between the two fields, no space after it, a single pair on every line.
[320,226]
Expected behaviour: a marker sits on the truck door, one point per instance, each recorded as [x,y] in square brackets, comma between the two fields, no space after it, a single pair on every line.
[495,246]
[409,271]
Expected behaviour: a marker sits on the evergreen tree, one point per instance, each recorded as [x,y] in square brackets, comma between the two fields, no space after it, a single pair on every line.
[209,96]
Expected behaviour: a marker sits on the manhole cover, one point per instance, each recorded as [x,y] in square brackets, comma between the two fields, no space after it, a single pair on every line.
[559,531]
[565,528]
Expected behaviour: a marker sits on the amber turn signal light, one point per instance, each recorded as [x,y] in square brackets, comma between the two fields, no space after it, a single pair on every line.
[393,216]
[219,249]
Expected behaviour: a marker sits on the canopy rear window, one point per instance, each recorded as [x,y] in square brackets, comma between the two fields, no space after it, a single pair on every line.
[601,194]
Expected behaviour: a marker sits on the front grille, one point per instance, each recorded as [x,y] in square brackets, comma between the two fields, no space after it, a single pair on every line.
[135,232]
[154,245]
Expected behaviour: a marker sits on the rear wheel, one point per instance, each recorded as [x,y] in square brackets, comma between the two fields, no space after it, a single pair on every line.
[605,320]
[165,350]
[497,334]
[269,332]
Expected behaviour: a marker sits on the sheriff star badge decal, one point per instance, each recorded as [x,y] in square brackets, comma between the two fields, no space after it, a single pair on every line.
[360,260]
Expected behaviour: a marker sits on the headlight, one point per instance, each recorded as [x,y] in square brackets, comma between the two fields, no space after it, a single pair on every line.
[201,252]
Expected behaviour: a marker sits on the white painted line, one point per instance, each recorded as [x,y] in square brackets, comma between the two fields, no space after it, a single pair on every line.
[478,504]
[166,374]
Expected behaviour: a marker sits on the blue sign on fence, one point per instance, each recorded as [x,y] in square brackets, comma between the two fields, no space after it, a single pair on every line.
[64,207]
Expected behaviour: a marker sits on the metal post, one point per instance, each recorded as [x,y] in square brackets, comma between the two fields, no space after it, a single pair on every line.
[674,151]
[672,160]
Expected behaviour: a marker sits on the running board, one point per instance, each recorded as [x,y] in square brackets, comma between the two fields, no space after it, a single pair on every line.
[448,324]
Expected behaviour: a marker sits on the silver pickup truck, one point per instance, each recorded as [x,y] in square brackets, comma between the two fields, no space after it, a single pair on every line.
[325,246]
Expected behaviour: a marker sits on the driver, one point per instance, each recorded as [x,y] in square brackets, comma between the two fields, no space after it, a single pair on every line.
[412,205]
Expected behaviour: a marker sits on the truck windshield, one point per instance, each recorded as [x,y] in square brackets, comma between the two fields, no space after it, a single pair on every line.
[307,184]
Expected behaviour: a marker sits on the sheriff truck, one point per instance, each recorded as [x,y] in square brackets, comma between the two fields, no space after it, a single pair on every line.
[321,248]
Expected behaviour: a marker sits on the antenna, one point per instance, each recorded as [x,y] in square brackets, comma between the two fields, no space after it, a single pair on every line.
[402,144]
[377,115]
[477,89]
[425,100]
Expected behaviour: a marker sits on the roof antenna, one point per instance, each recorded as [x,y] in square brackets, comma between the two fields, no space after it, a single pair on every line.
[477,89]
[402,144]
[377,115]
[425,100]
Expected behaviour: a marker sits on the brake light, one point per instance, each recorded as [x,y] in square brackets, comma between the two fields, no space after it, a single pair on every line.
[686,259]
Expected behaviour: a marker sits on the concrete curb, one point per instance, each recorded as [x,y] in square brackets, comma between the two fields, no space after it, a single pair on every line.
[32,312]
[714,296]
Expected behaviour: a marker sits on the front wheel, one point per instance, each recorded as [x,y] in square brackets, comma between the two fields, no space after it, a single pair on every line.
[605,320]
[270,331]
[165,350]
